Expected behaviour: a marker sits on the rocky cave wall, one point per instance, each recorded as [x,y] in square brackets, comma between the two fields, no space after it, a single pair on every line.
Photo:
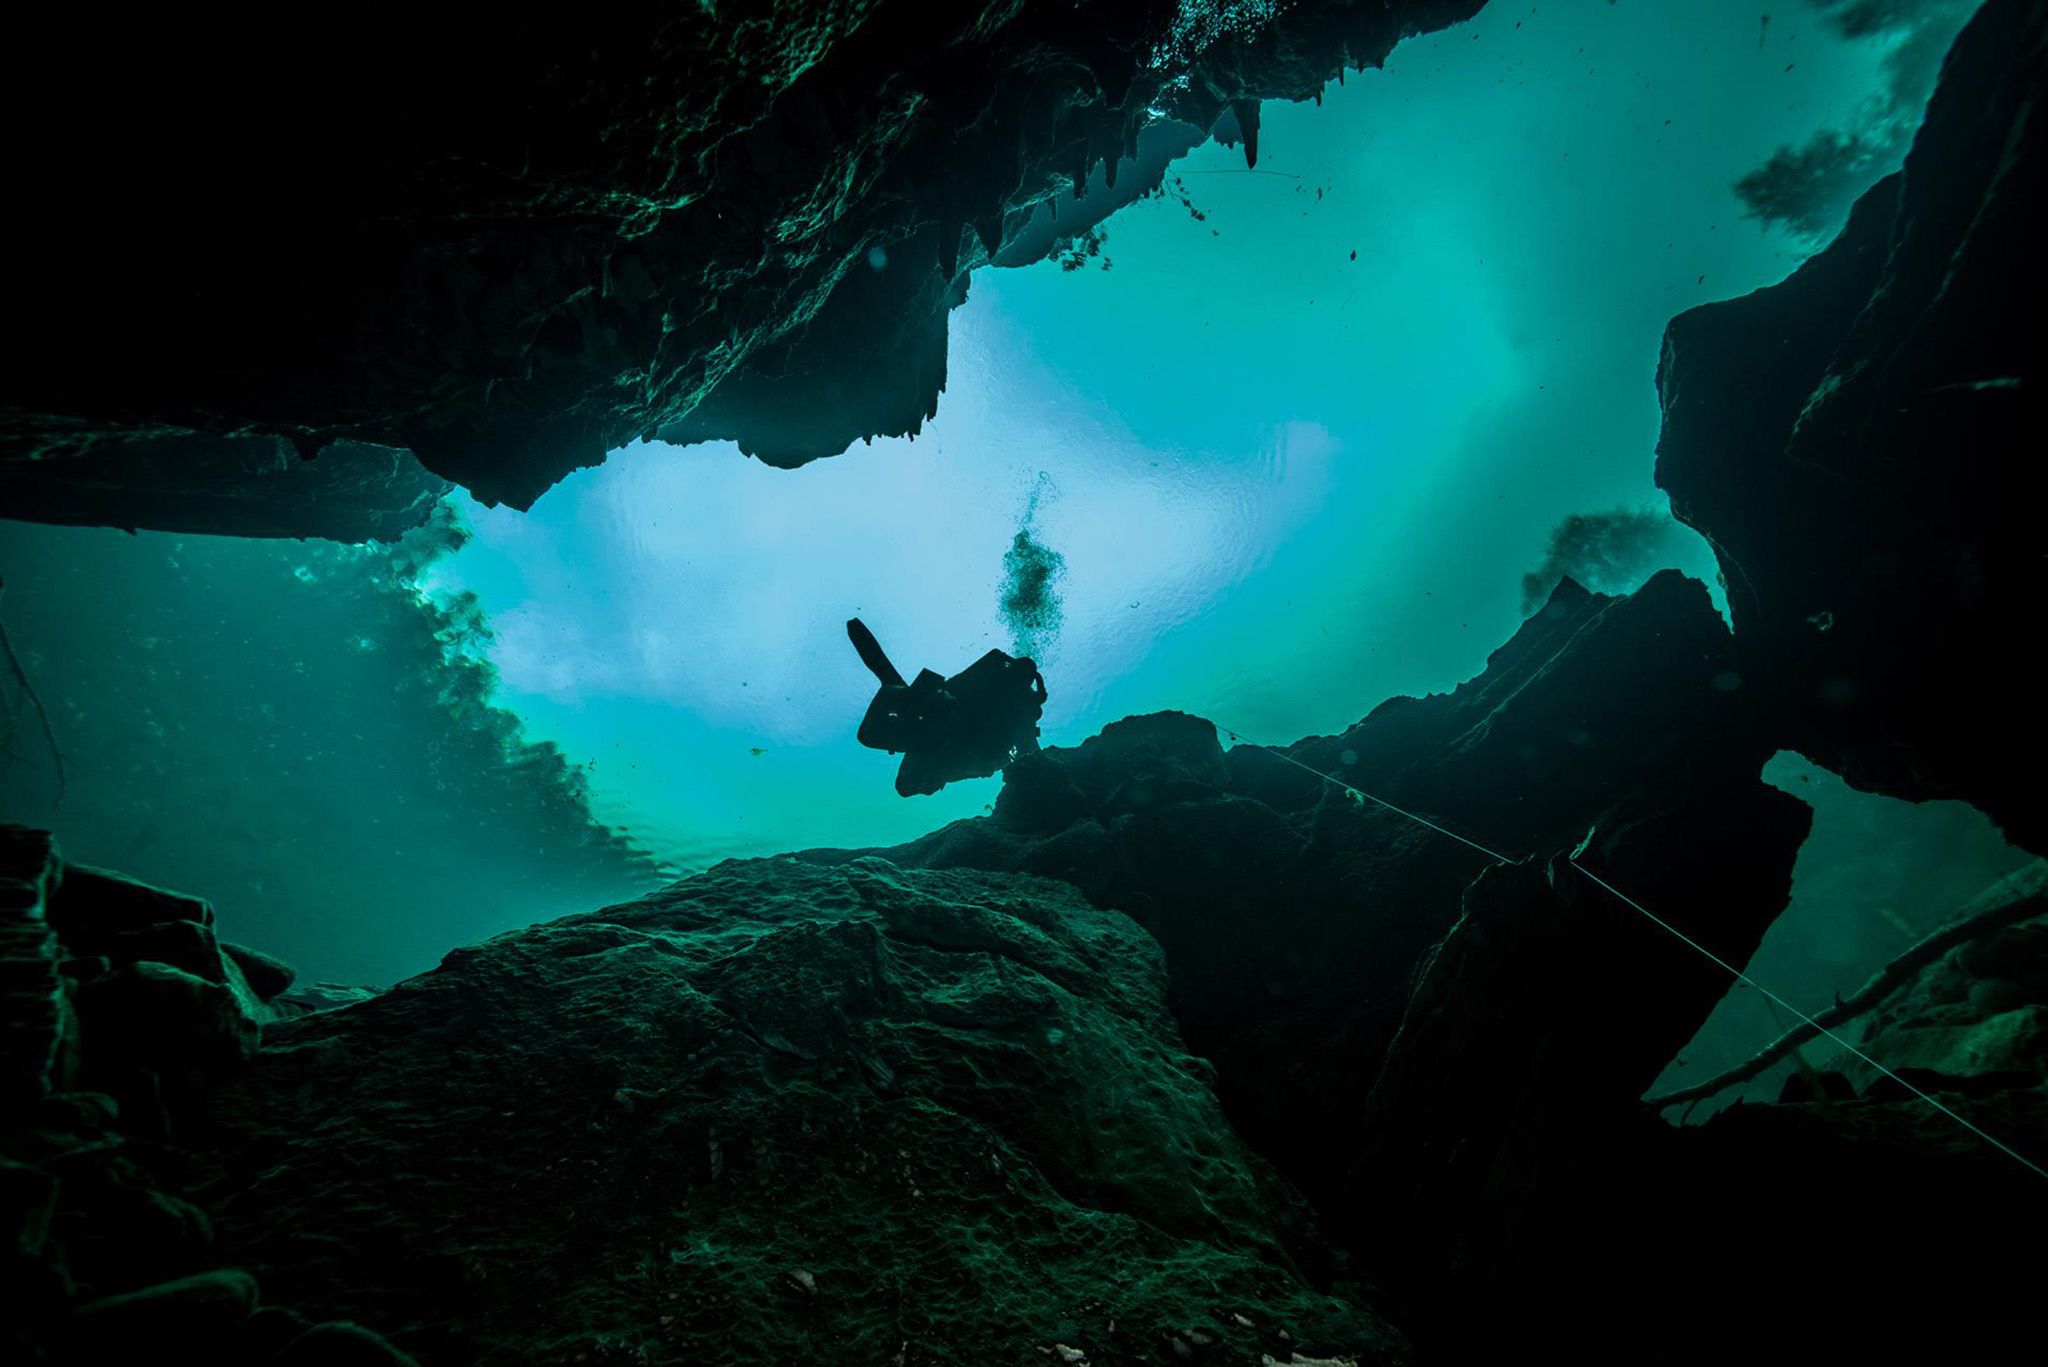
[509,247]
[1860,445]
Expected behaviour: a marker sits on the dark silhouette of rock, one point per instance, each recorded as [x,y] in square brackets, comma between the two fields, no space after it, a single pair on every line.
[341,1344]
[264,1336]
[91,908]
[28,1203]
[1535,1028]
[139,1325]
[322,997]
[104,1252]
[512,246]
[1758,1236]
[1294,917]
[184,945]
[37,1029]
[1861,445]
[240,485]
[150,1028]
[267,975]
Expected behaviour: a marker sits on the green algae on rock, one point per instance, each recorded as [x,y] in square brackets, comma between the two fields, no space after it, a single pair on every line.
[920,1116]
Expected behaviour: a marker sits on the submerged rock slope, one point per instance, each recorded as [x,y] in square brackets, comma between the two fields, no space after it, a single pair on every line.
[1450,1054]
[917,1116]
[513,245]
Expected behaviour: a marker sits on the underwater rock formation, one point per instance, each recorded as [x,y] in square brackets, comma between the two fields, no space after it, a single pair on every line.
[1530,983]
[945,1115]
[1979,1012]
[1041,1086]
[1533,1031]
[247,486]
[920,1116]
[1507,1160]
[1861,445]
[120,1013]
[1836,1228]
[512,246]
[1295,918]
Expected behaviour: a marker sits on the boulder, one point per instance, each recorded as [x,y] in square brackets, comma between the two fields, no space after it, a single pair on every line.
[341,1344]
[191,1317]
[307,998]
[154,1035]
[268,976]
[90,907]
[184,945]
[773,1113]
[1979,1012]
[121,1227]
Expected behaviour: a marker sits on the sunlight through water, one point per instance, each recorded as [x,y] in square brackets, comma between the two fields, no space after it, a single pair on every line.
[1297,434]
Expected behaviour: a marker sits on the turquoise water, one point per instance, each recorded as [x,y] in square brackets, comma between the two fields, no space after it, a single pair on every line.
[1286,483]
[1279,484]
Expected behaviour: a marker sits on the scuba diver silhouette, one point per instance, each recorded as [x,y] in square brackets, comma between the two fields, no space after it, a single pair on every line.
[967,726]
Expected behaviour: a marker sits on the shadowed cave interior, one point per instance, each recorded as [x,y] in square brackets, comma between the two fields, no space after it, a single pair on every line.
[445,914]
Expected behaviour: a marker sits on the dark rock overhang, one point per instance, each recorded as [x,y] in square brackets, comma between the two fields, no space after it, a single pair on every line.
[1861,444]
[512,246]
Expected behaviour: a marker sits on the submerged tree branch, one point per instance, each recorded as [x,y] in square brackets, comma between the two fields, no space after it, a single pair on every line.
[2016,897]
[35,701]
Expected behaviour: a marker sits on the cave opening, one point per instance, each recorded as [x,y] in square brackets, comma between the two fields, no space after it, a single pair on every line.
[1299,432]
[1302,437]
[1360,438]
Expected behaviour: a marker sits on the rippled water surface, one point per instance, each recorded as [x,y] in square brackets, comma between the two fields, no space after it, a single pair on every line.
[1297,434]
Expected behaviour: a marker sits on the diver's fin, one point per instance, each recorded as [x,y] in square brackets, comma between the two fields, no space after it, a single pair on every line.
[871,653]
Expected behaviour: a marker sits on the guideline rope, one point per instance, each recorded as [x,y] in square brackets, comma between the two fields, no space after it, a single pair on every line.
[1738,974]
